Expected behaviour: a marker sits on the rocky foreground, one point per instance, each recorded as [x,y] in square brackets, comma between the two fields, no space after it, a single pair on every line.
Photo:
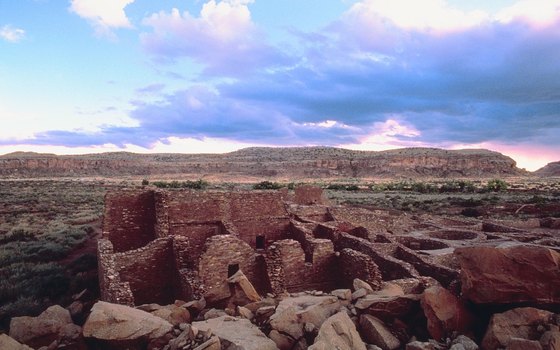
[293,163]
[507,298]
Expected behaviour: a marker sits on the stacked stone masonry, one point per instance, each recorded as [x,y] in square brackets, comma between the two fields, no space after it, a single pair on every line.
[162,245]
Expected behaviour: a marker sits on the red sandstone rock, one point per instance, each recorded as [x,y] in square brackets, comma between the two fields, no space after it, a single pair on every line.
[389,307]
[292,314]
[550,340]
[338,332]
[241,333]
[445,313]
[8,343]
[118,323]
[516,323]
[375,332]
[523,344]
[510,275]
[41,330]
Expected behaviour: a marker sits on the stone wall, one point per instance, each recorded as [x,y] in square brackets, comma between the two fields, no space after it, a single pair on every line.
[129,219]
[309,195]
[151,272]
[290,269]
[112,289]
[390,267]
[354,264]
[223,255]
[183,244]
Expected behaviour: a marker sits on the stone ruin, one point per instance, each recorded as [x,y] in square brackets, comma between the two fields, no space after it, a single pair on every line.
[163,245]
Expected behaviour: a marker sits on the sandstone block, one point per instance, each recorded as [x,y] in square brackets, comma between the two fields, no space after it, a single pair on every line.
[516,323]
[510,275]
[41,330]
[241,333]
[338,332]
[8,343]
[375,332]
[445,313]
[116,323]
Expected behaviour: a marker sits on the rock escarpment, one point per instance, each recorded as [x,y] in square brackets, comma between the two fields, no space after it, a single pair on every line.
[551,169]
[296,162]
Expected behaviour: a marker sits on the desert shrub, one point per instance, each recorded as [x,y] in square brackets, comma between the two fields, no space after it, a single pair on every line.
[342,187]
[496,185]
[423,187]
[145,182]
[267,185]
[196,185]
[17,235]
[463,186]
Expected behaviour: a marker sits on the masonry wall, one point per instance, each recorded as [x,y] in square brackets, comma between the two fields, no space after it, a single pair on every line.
[112,288]
[289,271]
[354,264]
[129,219]
[309,195]
[221,252]
[151,272]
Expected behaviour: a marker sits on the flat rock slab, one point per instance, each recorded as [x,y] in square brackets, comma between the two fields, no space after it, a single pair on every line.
[120,323]
[241,334]
[338,332]
[41,330]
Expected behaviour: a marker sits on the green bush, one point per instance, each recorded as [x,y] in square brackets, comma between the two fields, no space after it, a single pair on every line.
[463,186]
[145,182]
[267,185]
[496,185]
[196,185]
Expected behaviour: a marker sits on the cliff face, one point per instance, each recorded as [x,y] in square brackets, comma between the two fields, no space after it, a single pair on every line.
[551,169]
[303,162]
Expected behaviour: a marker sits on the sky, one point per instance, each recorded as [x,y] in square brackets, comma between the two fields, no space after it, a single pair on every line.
[192,76]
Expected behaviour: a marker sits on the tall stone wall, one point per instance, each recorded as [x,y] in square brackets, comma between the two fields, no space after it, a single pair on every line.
[129,219]
[290,270]
[354,264]
[112,288]
[222,256]
[151,272]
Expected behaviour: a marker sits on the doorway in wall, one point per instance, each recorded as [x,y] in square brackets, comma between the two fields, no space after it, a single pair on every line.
[260,244]
[232,269]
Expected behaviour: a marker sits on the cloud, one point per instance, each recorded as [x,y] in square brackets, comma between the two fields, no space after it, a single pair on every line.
[104,15]
[12,34]
[223,38]
[369,79]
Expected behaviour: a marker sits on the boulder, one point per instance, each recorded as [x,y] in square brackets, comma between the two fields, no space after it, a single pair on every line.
[463,343]
[389,306]
[245,286]
[338,332]
[550,340]
[171,313]
[8,343]
[41,330]
[236,333]
[358,284]
[523,344]
[375,332]
[514,274]
[119,323]
[517,323]
[445,313]
[418,345]
[293,313]
[211,344]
